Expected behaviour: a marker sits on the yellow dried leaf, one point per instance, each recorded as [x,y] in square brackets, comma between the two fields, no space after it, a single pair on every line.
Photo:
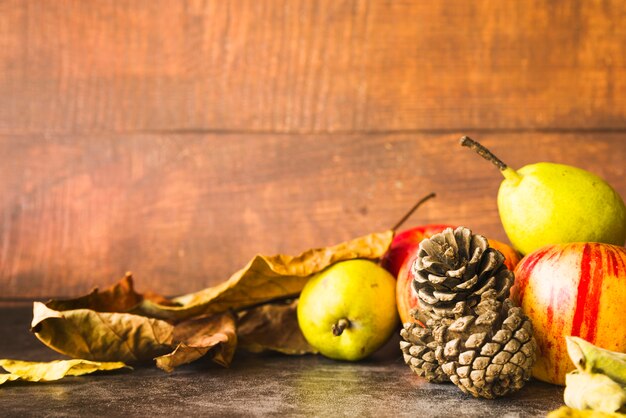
[101,336]
[6,377]
[267,278]
[54,370]
[272,327]
[197,337]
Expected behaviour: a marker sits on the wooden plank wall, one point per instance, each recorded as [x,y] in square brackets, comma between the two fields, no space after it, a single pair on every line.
[177,139]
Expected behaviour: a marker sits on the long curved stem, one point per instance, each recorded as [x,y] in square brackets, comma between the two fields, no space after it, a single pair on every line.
[412,210]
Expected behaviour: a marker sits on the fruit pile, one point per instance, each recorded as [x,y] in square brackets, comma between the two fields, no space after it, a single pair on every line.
[570,226]
[567,222]
[476,312]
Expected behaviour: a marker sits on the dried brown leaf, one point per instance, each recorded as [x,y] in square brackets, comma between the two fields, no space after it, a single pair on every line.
[266,279]
[272,327]
[197,337]
[33,371]
[101,336]
[120,297]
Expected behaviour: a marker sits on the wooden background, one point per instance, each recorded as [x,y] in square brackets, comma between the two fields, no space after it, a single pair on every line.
[178,139]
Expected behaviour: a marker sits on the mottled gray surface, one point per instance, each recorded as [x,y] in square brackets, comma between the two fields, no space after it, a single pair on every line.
[255,385]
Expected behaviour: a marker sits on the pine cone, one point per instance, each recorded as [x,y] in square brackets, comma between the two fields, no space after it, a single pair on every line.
[480,341]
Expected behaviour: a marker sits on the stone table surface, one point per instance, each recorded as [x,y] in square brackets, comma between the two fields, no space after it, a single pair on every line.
[254,385]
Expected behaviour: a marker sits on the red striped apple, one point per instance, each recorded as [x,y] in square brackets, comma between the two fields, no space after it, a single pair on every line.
[576,289]
[402,253]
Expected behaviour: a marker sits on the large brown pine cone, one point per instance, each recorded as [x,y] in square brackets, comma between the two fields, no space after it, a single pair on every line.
[479,340]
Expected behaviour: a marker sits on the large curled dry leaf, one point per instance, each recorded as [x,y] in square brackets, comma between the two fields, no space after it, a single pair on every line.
[272,327]
[53,370]
[266,278]
[197,337]
[101,336]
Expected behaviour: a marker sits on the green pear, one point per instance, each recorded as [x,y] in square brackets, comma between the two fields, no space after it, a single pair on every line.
[547,203]
[348,310]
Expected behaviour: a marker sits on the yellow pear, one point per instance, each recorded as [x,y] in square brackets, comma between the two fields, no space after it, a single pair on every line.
[348,310]
[547,203]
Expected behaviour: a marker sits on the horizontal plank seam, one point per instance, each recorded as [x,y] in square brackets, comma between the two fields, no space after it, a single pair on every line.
[556,130]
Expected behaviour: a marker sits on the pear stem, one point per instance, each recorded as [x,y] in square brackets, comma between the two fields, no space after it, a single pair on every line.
[412,210]
[340,326]
[484,152]
[479,149]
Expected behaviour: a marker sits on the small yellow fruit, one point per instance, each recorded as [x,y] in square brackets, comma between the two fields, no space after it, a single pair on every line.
[348,311]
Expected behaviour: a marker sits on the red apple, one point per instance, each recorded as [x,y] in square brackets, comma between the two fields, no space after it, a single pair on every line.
[402,253]
[574,289]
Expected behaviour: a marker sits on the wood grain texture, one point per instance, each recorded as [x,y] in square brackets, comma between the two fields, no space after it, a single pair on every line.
[178,139]
[185,211]
[71,66]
